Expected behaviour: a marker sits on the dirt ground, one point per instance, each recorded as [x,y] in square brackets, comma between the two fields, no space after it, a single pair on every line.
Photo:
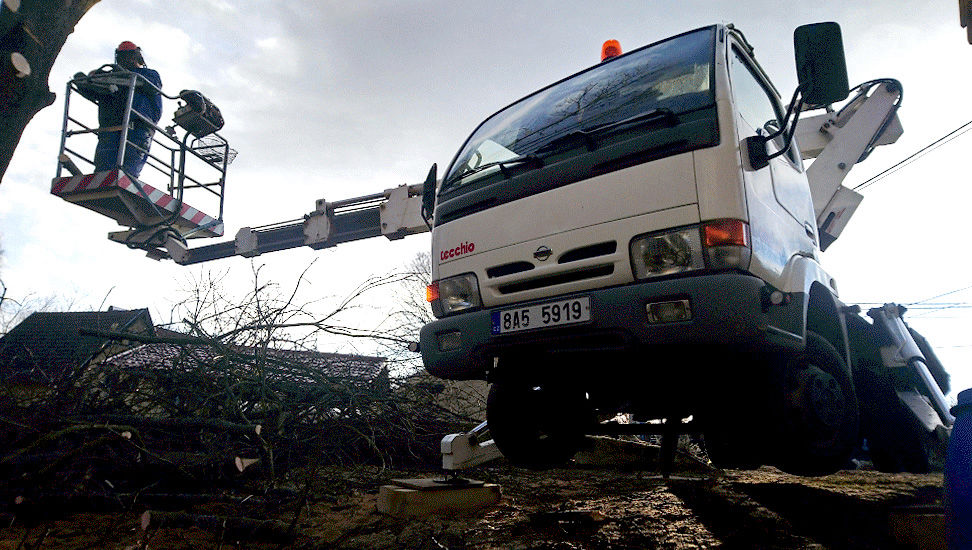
[603,508]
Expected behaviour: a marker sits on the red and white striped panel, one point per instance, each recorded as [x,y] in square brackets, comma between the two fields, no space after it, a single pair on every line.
[90,182]
[100,181]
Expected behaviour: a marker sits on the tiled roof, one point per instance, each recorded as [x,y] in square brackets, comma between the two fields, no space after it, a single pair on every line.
[295,365]
[45,344]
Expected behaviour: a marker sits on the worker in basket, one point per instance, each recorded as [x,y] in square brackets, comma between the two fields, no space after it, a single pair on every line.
[147,101]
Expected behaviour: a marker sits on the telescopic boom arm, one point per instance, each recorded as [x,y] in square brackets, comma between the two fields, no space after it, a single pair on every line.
[394,213]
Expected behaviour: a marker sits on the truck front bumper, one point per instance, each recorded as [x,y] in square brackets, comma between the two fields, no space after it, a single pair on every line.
[728,310]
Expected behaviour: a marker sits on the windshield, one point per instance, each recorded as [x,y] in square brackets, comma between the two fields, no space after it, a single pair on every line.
[672,77]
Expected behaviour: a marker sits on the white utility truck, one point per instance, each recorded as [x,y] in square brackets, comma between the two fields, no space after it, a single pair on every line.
[644,238]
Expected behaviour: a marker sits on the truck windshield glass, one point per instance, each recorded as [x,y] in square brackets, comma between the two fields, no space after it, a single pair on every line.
[669,78]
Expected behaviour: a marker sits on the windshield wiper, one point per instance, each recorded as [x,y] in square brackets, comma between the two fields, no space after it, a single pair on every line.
[504,166]
[589,134]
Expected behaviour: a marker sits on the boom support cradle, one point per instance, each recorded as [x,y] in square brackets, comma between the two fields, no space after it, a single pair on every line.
[839,140]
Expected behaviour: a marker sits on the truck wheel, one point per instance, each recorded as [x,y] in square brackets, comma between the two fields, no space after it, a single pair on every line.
[536,426]
[820,415]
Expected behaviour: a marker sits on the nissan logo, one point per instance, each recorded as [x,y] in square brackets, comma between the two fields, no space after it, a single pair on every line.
[542,253]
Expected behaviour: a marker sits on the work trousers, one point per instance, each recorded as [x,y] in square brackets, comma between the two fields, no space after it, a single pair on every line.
[136,150]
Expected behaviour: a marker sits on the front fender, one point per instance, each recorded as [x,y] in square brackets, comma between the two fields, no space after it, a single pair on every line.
[801,272]
[822,310]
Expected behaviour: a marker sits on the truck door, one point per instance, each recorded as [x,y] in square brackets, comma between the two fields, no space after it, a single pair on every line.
[782,187]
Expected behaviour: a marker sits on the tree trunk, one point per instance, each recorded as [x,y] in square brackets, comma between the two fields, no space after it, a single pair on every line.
[213,424]
[32,37]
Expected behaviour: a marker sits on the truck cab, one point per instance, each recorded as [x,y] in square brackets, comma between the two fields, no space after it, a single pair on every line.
[641,238]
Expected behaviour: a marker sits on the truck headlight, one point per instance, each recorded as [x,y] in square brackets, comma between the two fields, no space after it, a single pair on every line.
[454,294]
[666,253]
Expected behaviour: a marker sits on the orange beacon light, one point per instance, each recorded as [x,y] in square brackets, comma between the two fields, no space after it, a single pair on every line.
[610,48]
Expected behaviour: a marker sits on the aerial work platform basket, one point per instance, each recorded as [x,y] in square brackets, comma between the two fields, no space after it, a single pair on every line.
[188,155]
[135,204]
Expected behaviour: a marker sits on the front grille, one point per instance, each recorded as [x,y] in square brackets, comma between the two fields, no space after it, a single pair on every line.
[558,279]
[508,269]
[588,252]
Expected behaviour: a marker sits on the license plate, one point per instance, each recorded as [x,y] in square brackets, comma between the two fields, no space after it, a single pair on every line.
[549,314]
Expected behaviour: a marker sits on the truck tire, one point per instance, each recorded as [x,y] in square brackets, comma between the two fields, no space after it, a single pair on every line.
[536,426]
[820,414]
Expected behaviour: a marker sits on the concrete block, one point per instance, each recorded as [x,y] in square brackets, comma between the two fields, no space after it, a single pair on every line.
[413,498]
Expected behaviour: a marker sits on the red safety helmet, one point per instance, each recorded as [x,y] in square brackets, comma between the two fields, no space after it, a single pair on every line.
[129,48]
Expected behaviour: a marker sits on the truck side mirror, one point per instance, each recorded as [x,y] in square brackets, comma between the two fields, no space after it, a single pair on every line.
[820,64]
[428,193]
[822,72]
[756,150]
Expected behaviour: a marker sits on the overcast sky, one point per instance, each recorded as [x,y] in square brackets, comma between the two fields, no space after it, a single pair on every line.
[340,99]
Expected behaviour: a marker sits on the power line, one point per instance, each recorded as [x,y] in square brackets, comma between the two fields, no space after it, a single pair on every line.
[936,307]
[927,306]
[937,313]
[957,310]
[933,305]
[923,303]
[914,156]
[939,296]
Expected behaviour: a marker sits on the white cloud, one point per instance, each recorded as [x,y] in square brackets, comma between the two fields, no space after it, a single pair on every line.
[338,99]
[220,6]
[270,43]
[276,58]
